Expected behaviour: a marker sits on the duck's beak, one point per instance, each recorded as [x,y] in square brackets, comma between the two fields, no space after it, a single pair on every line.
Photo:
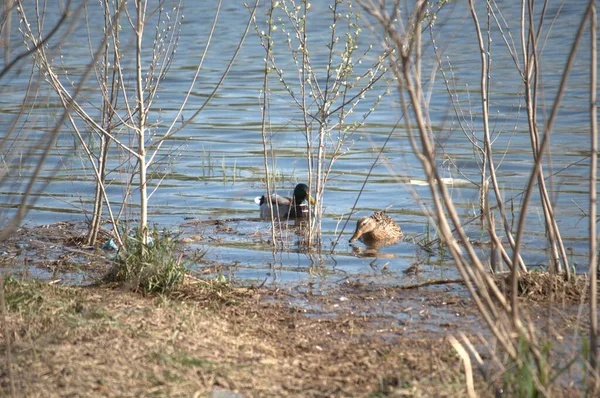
[356,236]
[311,199]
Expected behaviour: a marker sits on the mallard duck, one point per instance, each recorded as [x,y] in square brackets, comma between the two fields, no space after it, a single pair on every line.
[286,208]
[378,229]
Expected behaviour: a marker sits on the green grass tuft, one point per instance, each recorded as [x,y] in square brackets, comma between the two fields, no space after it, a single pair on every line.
[153,268]
[21,294]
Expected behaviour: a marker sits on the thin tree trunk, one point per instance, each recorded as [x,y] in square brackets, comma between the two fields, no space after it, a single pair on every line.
[7,18]
[109,104]
[265,109]
[143,226]
[593,209]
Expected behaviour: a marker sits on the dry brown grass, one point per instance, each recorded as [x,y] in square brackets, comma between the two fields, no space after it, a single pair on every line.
[105,341]
[544,287]
[355,339]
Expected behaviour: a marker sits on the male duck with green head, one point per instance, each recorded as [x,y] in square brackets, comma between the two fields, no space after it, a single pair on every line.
[286,208]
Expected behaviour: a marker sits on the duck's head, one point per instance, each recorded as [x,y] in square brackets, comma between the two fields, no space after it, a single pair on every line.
[363,226]
[301,194]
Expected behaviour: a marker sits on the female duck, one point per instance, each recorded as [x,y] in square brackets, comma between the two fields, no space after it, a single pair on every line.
[286,208]
[378,229]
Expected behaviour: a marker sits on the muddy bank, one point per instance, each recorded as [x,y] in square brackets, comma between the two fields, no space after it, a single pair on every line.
[73,341]
[211,337]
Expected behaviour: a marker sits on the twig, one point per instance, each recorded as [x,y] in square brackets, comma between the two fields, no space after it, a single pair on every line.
[464,356]
[432,283]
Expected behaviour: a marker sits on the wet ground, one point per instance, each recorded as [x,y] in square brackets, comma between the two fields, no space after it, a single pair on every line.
[330,335]
[55,253]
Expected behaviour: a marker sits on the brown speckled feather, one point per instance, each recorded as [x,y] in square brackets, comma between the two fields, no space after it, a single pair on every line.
[377,230]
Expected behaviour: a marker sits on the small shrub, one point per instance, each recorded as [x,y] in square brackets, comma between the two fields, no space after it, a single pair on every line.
[155,267]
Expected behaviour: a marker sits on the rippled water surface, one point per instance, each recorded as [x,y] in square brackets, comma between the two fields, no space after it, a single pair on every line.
[214,167]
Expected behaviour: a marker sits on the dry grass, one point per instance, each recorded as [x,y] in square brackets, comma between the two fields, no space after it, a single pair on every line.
[358,339]
[544,287]
[107,341]
[110,342]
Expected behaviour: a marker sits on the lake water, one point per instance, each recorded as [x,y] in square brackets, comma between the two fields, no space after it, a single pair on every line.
[213,168]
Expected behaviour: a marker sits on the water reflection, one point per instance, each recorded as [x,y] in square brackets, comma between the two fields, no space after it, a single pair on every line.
[213,169]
